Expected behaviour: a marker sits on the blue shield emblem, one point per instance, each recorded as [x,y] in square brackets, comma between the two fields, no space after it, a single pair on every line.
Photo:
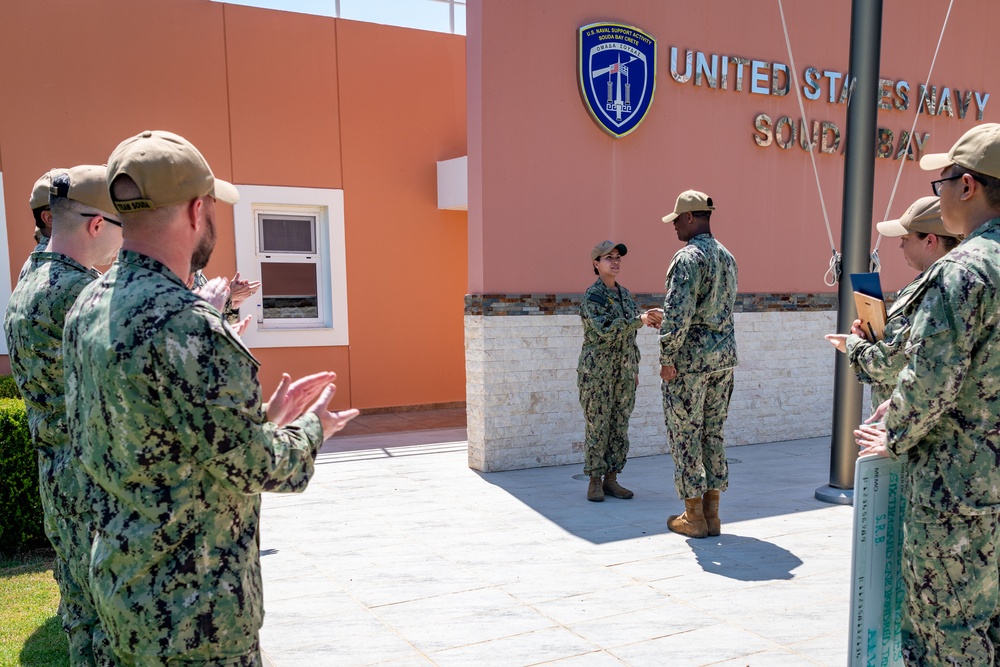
[617,75]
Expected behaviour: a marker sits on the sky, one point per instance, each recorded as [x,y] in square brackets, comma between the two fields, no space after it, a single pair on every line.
[421,14]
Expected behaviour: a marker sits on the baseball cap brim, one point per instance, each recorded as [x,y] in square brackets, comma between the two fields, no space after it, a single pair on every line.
[225,191]
[936,161]
[891,228]
[670,217]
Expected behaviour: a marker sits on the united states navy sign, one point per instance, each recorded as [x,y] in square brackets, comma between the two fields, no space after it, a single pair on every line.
[617,66]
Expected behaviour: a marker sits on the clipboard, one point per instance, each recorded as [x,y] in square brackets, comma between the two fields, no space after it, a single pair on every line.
[871,312]
[870,304]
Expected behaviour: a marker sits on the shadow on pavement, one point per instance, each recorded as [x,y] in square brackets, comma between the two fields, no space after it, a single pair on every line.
[766,481]
[744,558]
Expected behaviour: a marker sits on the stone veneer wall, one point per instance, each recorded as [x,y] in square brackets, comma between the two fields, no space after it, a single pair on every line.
[520,359]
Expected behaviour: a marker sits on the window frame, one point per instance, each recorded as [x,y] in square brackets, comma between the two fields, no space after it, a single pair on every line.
[330,328]
[323,317]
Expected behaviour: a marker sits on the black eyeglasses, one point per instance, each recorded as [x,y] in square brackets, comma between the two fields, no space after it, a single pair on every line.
[936,185]
[116,223]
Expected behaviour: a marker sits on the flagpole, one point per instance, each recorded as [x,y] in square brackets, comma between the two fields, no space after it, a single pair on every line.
[856,232]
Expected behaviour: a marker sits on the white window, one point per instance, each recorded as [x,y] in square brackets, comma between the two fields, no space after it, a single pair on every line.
[292,241]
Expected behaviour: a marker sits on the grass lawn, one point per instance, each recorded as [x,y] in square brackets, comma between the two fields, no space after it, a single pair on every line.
[30,630]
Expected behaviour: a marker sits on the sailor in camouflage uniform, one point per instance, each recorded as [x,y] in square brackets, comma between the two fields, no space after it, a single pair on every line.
[697,358]
[608,371]
[84,234]
[945,414]
[165,410]
[39,203]
[923,240]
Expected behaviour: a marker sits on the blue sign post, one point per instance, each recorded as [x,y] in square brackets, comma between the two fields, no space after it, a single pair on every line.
[617,65]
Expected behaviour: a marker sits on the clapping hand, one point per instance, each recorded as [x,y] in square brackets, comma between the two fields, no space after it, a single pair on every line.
[240,290]
[332,421]
[291,399]
[240,327]
[215,291]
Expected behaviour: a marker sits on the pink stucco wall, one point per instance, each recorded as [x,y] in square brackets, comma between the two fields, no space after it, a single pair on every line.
[546,183]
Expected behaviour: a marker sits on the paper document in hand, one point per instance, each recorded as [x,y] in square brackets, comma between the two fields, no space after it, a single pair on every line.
[867,283]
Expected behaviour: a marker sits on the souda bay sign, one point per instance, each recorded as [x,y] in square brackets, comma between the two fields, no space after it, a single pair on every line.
[762,77]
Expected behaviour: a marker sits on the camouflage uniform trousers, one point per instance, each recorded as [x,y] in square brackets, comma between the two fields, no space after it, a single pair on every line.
[607,403]
[951,568]
[695,407]
[69,532]
[251,659]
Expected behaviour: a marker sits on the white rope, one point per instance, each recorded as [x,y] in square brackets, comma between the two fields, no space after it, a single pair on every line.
[832,275]
[812,155]
[875,263]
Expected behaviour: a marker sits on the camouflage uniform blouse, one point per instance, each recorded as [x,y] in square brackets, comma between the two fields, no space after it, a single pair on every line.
[697,334]
[610,322]
[945,410]
[164,403]
[879,363]
[34,327]
[43,243]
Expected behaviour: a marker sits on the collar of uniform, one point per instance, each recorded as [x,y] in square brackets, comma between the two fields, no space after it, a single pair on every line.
[988,226]
[131,257]
[609,290]
[40,256]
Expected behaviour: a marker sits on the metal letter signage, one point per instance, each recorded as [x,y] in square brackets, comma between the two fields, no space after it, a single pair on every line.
[617,65]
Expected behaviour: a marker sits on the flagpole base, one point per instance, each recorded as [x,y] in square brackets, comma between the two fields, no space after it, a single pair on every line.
[835,496]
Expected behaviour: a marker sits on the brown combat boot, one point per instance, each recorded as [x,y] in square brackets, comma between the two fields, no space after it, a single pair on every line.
[614,489]
[710,505]
[692,522]
[595,492]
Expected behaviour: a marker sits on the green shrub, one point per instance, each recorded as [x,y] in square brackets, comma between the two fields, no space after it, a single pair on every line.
[8,387]
[20,505]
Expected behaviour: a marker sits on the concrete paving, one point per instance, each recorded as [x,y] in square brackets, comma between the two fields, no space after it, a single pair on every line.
[398,554]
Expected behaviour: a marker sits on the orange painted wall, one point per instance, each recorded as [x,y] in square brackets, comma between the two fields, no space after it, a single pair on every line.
[403,110]
[270,98]
[64,104]
[546,184]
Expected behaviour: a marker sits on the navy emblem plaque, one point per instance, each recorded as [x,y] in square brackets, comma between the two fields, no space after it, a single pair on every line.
[617,65]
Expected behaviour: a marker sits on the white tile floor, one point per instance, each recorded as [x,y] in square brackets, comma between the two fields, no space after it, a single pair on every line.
[399,554]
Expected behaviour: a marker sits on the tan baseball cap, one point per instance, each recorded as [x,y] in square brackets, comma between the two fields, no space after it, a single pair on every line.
[604,248]
[923,215]
[40,190]
[87,184]
[978,150]
[168,169]
[688,202]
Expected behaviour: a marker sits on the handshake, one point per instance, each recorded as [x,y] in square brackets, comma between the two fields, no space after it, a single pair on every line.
[652,318]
